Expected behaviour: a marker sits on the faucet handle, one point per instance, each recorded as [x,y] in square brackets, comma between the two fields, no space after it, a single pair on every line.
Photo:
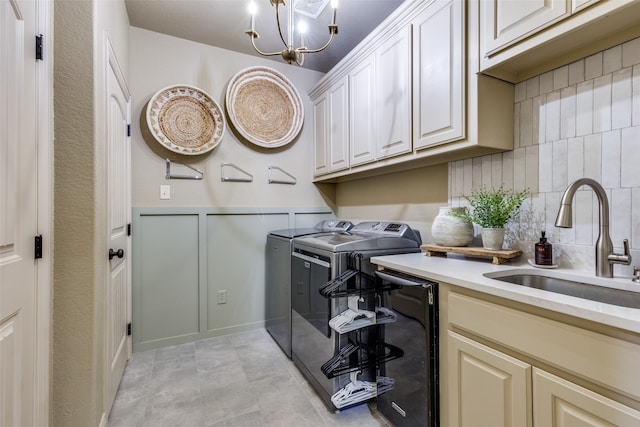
[624,258]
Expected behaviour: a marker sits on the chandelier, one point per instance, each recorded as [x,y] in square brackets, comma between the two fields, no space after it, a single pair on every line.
[290,53]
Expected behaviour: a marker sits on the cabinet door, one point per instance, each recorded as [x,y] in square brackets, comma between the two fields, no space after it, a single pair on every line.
[320,142]
[438,74]
[560,403]
[338,112]
[504,22]
[362,112]
[393,103]
[487,387]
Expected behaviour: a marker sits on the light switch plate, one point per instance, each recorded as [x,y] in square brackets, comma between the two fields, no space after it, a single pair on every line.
[165,192]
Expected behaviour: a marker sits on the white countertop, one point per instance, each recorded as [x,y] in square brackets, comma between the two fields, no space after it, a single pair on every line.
[468,273]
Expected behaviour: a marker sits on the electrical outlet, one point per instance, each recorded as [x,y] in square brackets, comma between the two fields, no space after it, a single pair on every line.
[222,297]
[165,192]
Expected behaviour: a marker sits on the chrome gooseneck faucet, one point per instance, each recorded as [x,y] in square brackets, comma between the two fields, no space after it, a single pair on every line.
[605,258]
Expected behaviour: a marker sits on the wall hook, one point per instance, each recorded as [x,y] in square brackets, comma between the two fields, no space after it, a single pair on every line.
[225,178]
[170,176]
[293,180]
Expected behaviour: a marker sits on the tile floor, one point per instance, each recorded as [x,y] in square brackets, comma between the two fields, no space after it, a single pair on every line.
[235,380]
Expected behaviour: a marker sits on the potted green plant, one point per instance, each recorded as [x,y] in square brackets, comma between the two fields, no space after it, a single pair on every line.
[491,209]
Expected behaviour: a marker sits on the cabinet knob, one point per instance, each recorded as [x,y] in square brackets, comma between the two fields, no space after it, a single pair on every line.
[119,253]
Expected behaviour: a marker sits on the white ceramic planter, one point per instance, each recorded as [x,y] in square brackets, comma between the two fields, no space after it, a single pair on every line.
[448,230]
[493,238]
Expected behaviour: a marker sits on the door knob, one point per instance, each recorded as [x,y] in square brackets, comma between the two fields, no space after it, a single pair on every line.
[119,253]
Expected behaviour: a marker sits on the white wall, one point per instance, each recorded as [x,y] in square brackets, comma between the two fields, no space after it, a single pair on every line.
[580,120]
[158,61]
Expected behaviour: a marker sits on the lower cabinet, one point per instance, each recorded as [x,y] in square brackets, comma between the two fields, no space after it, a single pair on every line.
[490,388]
[485,386]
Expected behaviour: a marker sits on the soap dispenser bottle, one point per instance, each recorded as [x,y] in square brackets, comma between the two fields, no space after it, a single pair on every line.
[543,251]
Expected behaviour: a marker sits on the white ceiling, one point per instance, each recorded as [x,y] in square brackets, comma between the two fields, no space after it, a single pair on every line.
[222,23]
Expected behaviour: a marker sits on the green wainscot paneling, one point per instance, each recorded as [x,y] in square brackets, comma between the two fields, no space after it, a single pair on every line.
[182,258]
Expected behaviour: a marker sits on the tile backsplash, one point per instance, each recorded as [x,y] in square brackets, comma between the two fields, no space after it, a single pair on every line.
[580,120]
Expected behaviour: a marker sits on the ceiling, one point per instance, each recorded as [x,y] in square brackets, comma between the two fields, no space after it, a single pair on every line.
[222,23]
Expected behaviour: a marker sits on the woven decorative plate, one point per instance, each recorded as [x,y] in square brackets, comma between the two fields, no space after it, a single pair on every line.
[264,107]
[185,120]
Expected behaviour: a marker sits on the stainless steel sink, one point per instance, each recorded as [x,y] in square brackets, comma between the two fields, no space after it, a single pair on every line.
[574,288]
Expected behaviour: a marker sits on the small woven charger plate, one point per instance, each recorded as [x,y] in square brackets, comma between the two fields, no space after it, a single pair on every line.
[185,120]
[264,107]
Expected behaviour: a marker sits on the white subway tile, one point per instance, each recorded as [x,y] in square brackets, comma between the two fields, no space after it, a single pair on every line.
[568,112]
[507,169]
[458,179]
[631,53]
[519,164]
[545,167]
[477,173]
[584,108]
[612,59]
[561,77]
[620,211]
[635,220]
[621,93]
[575,158]
[538,122]
[516,125]
[496,170]
[636,96]
[520,91]
[467,186]
[533,87]
[486,171]
[593,66]
[551,206]
[531,168]
[630,157]
[559,164]
[611,159]
[593,156]
[552,117]
[526,114]
[576,72]
[546,82]
[583,207]
[602,103]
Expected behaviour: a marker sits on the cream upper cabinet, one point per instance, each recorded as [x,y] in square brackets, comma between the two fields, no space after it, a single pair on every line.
[362,94]
[439,70]
[320,109]
[504,22]
[560,403]
[393,92]
[487,387]
[338,125]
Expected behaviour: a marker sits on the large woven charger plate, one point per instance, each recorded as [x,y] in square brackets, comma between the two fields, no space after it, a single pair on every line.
[264,107]
[185,120]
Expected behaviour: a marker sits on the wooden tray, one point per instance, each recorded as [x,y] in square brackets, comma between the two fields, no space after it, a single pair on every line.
[499,257]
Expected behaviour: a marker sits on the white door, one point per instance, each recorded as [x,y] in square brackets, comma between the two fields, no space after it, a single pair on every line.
[118,290]
[18,215]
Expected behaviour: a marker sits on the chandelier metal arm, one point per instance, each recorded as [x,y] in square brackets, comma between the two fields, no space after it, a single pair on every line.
[254,35]
[326,45]
[279,27]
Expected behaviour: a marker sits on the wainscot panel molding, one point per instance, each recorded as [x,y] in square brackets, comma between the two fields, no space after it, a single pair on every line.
[182,258]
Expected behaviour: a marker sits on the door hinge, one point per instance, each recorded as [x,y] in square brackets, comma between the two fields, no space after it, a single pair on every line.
[38,247]
[129,329]
[129,229]
[129,130]
[39,47]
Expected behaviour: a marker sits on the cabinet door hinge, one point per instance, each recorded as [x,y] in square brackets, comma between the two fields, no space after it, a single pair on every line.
[129,130]
[129,229]
[38,247]
[129,329]
[39,47]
